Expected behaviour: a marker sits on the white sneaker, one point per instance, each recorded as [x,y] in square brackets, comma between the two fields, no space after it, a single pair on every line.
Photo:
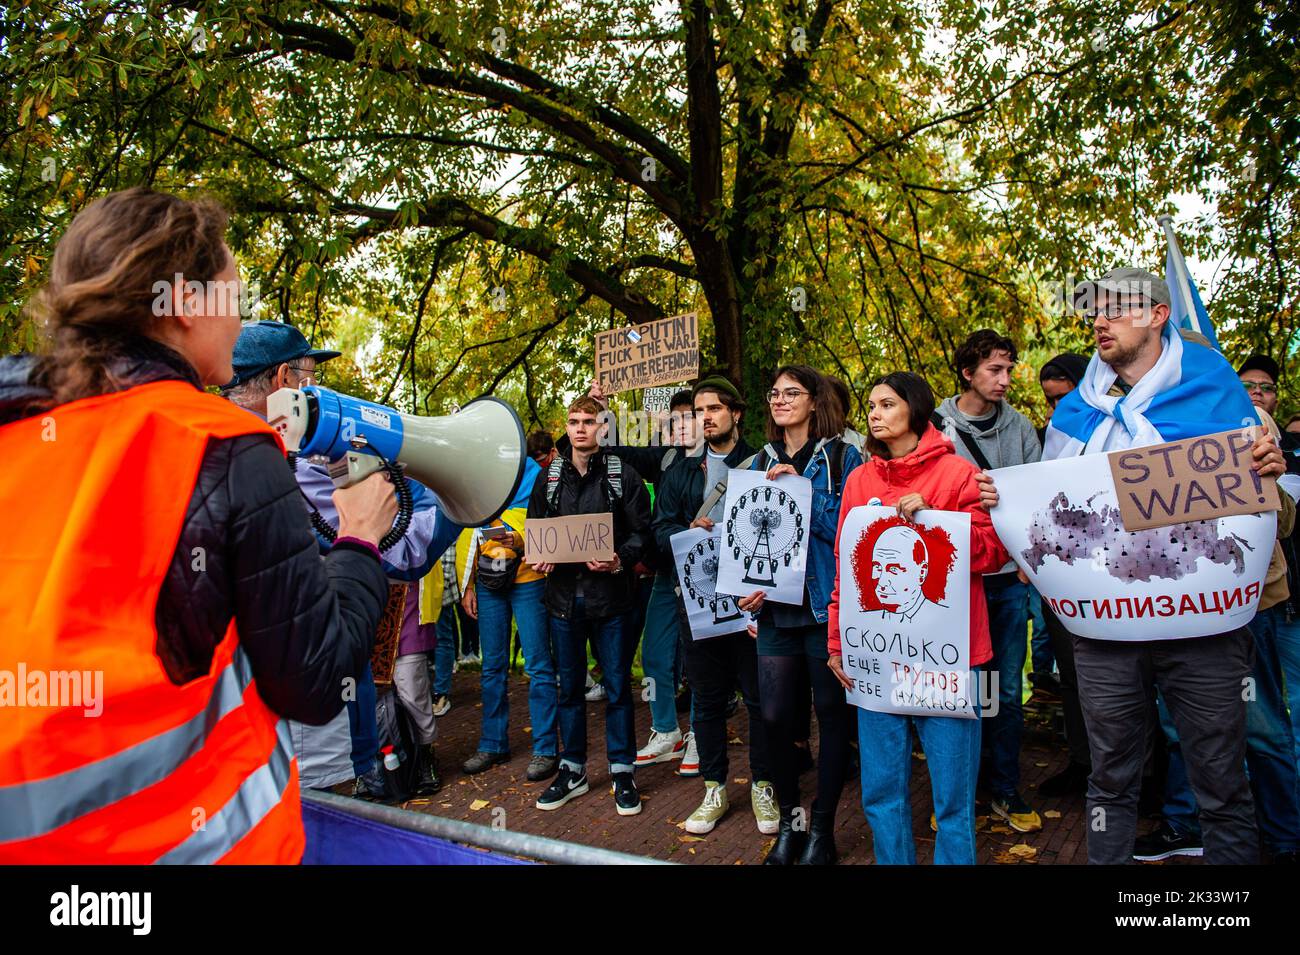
[441,706]
[661,748]
[595,691]
[690,757]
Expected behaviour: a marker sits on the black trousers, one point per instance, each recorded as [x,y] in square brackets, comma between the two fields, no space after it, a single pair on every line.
[714,667]
[1076,734]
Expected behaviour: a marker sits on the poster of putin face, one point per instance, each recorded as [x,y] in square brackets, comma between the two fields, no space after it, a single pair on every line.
[904,591]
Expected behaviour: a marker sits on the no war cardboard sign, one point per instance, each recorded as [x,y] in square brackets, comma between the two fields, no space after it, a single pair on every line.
[577,538]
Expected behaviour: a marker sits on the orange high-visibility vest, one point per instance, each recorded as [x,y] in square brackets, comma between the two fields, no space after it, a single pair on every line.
[93,496]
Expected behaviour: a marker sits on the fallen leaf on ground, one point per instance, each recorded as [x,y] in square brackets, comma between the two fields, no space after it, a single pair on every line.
[1023,851]
[689,839]
[981,822]
[1051,814]
[1040,765]
[740,782]
[1001,830]
[735,741]
[478,804]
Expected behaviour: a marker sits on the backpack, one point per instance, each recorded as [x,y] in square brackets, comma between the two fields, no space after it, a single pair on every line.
[666,461]
[613,482]
[397,735]
[837,448]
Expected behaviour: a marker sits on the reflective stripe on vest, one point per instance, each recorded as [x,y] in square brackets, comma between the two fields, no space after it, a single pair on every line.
[203,771]
[258,795]
[34,808]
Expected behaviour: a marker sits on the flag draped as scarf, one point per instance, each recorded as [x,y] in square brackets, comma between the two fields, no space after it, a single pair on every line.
[1191,391]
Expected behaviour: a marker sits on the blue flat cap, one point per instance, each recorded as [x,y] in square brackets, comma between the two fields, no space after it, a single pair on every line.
[264,345]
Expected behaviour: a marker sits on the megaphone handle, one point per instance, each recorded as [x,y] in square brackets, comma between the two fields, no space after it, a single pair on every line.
[374,462]
[354,467]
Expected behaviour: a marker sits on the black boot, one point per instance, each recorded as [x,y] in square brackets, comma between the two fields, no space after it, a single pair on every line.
[789,840]
[428,782]
[820,849]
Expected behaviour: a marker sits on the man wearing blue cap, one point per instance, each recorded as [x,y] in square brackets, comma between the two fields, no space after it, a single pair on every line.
[270,356]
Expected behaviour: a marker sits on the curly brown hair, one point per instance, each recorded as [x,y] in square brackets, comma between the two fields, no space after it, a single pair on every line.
[103,281]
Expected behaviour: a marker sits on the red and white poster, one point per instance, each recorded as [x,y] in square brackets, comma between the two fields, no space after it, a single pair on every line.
[905,611]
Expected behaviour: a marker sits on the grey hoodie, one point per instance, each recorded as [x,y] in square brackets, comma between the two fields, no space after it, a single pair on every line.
[1012,440]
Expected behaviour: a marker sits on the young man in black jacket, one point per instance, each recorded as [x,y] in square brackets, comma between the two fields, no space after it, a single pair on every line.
[590,602]
[654,618]
[716,664]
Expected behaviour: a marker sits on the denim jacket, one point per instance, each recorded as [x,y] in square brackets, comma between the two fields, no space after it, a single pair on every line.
[819,577]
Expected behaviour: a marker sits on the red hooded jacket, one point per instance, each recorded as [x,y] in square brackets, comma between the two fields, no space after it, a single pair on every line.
[947,483]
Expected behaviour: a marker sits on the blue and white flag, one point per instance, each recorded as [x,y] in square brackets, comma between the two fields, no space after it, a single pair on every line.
[1185,307]
[1191,391]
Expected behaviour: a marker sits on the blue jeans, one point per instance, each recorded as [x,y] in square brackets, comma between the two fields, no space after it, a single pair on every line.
[659,657]
[1042,659]
[494,612]
[1270,751]
[363,722]
[608,636]
[952,755]
[1288,652]
[1009,627]
[444,652]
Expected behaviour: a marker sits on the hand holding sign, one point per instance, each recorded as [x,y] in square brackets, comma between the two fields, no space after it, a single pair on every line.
[1269,460]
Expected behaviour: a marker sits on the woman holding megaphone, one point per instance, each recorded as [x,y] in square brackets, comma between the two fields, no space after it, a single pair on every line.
[159,570]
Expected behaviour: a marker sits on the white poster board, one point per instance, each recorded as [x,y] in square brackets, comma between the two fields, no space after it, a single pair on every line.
[1061,522]
[765,536]
[710,614]
[905,611]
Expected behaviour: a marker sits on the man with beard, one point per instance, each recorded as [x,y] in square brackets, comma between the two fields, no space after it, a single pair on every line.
[691,494]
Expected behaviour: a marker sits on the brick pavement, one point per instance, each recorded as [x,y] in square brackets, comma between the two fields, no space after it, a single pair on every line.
[668,798]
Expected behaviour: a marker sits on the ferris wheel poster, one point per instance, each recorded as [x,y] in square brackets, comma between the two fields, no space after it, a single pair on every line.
[765,536]
[709,613]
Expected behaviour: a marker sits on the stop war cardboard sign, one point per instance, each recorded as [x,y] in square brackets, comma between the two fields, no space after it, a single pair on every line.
[566,540]
[1190,480]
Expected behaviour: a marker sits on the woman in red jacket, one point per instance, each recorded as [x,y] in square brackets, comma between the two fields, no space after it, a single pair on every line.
[914,467]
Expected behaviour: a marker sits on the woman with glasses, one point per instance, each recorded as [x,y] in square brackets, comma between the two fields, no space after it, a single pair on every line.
[804,423]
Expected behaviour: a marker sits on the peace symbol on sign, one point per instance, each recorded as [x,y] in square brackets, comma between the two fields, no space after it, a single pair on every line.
[1205,455]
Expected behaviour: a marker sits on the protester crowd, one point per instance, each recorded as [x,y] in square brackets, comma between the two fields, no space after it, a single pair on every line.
[1151,725]
[1232,773]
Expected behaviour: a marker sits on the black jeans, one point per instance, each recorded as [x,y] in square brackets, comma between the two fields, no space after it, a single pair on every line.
[714,666]
[785,711]
[1202,683]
